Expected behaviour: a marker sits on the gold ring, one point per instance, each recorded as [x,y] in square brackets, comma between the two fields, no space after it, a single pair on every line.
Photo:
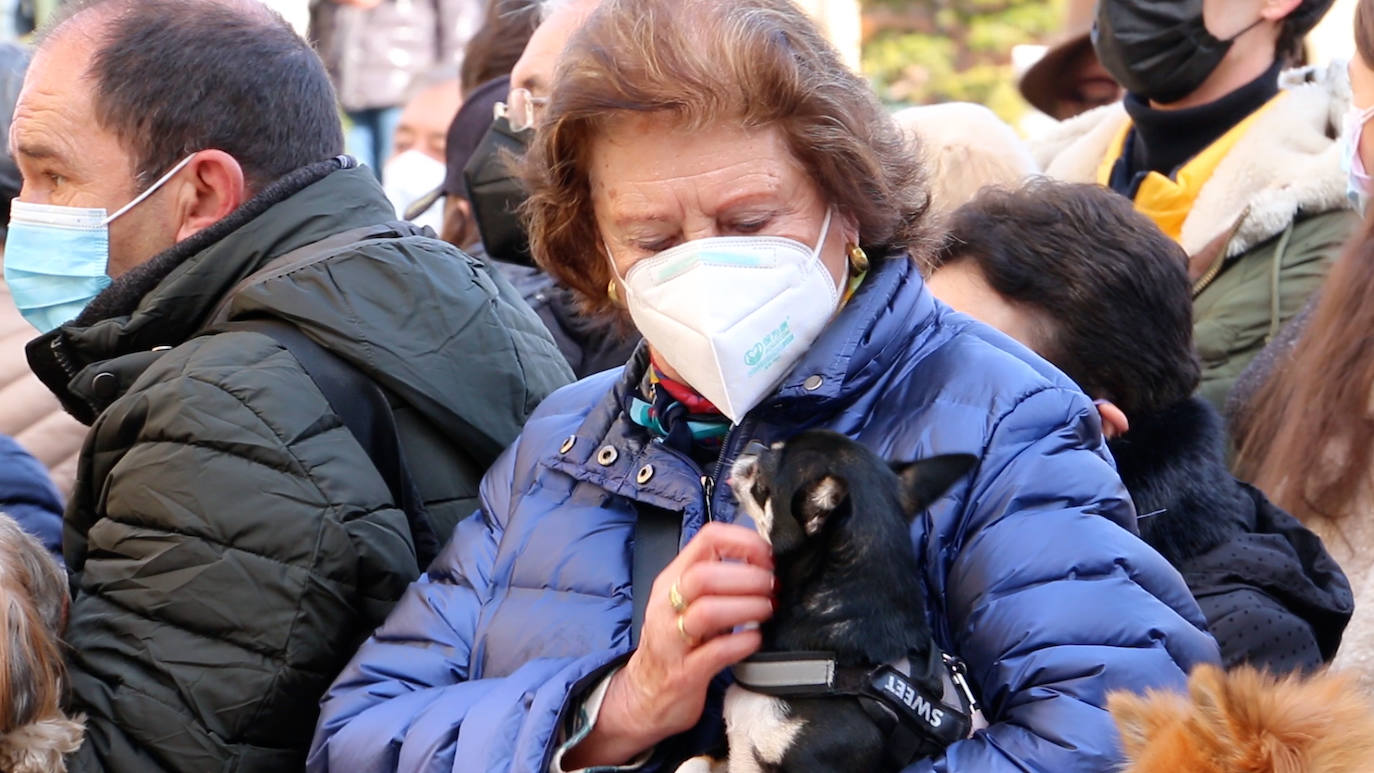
[675,598]
[682,628]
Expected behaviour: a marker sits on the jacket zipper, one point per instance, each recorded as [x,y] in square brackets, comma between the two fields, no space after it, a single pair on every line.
[1211,274]
[1221,260]
[63,361]
[708,481]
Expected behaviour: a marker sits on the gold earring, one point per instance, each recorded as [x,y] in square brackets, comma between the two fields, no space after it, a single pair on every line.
[612,293]
[858,259]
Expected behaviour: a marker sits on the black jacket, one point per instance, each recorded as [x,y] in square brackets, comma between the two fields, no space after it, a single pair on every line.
[231,544]
[1272,595]
[590,345]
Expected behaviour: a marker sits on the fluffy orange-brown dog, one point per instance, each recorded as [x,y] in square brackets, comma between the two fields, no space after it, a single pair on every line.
[1245,721]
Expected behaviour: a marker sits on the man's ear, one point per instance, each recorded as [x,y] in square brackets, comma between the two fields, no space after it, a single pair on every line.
[815,504]
[924,480]
[213,187]
[1114,422]
[1277,10]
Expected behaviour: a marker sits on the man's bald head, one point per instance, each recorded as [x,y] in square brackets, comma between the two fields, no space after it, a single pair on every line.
[170,77]
[561,19]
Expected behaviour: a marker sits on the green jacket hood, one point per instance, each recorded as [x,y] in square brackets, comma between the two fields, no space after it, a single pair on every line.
[381,306]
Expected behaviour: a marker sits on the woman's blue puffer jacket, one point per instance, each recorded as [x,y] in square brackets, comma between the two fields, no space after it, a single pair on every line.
[1034,572]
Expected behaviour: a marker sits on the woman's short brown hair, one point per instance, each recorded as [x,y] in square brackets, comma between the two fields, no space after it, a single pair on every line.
[760,63]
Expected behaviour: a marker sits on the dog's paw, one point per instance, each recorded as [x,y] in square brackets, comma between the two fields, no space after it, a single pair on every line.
[702,765]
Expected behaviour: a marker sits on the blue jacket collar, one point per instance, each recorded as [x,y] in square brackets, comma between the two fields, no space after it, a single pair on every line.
[888,317]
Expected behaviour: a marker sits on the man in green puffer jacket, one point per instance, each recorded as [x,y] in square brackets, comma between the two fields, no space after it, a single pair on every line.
[230,540]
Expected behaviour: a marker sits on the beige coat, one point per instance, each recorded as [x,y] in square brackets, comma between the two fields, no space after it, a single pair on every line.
[28,411]
[1264,227]
[1351,542]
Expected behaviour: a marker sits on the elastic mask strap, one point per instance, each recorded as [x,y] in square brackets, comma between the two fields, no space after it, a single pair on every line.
[611,258]
[1253,25]
[825,231]
[151,189]
[815,251]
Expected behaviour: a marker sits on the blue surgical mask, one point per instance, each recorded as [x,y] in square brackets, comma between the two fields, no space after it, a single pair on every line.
[56,257]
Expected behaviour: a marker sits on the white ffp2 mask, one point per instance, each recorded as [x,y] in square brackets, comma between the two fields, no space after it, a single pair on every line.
[733,314]
[409,177]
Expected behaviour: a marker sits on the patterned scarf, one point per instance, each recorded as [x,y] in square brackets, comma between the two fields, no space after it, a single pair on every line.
[684,420]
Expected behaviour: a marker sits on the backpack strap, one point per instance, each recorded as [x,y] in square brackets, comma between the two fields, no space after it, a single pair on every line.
[307,255]
[657,534]
[364,410]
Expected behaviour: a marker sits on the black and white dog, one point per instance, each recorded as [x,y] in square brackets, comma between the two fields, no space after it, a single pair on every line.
[849,677]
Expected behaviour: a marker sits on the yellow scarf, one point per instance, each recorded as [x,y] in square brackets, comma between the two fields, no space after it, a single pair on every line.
[1167,202]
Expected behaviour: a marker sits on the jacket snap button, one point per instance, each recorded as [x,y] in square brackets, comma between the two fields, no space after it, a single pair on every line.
[645,473]
[104,385]
[607,456]
[812,383]
[567,444]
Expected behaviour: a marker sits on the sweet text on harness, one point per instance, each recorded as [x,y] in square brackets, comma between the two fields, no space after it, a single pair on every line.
[933,705]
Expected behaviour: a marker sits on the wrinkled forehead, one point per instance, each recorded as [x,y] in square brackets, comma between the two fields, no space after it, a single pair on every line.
[57,95]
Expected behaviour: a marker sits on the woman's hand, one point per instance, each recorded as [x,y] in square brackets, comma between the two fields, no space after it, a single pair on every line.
[723,579]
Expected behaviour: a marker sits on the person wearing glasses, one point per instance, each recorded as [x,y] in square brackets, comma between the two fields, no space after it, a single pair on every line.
[493,196]
[725,184]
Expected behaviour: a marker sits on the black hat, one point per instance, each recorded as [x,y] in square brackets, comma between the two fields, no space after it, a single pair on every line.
[464,134]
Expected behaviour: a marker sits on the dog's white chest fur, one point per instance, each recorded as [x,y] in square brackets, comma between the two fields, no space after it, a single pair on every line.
[758,730]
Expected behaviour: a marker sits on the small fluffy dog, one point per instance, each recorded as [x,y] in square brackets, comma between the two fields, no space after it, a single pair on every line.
[1246,721]
[849,592]
[34,731]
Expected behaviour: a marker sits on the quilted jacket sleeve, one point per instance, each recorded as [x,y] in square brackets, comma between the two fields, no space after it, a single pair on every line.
[241,547]
[406,701]
[1053,605]
[29,497]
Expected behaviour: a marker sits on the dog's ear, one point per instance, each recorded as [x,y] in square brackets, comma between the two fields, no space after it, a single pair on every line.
[816,503]
[924,480]
[1212,711]
[1139,719]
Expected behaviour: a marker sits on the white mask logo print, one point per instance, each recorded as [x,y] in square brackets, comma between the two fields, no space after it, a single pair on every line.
[732,315]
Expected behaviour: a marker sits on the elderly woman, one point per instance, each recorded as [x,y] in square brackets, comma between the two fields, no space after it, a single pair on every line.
[711,169]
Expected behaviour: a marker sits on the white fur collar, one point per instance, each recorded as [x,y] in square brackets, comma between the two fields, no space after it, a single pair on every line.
[1288,161]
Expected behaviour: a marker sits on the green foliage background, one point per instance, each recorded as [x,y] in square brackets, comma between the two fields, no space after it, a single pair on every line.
[953,50]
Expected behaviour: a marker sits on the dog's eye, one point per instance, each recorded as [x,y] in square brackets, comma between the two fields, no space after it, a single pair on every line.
[759,492]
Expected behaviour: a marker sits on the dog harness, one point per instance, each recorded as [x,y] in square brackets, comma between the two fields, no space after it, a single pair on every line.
[917,711]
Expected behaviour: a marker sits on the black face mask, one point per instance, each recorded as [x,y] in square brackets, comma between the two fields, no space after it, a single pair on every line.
[496,195]
[1158,50]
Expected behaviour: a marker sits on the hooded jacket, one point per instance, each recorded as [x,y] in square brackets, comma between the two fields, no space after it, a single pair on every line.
[1033,571]
[230,541]
[1272,595]
[1264,228]
[589,344]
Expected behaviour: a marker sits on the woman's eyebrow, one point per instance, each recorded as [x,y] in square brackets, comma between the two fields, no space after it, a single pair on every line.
[639,217]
